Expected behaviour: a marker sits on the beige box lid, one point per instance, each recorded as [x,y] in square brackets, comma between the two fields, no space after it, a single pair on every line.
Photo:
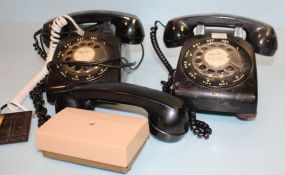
[95,136]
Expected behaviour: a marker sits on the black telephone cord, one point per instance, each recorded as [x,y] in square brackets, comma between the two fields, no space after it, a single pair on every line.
[166,85]
[199,128]
[37,97]
[156,47]
[39,48]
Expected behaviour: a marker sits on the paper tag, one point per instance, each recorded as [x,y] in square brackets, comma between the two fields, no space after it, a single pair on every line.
[15,127]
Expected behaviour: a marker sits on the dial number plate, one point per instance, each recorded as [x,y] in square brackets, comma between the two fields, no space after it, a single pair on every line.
[86,49]
[216,62]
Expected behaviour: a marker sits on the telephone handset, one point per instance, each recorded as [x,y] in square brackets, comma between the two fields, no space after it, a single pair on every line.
[128,27]
[216,70]
[261,36]
[168,116]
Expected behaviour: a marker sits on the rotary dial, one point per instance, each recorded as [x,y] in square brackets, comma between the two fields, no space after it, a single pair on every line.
[216,62]
[84,49]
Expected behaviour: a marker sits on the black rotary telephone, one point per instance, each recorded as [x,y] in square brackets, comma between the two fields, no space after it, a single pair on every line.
[216,70]
[85,69]
[101,45]
[92,56]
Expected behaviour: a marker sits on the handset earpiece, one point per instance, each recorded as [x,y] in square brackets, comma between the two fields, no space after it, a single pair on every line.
[175,33]
[129,29]
[263,39]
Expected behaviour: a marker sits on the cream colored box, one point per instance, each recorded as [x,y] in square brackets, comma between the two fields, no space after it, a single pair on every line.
[102,140]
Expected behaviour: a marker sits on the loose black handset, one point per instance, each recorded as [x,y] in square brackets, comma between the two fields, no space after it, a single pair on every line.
[87,49]
[216,70]
[168,116]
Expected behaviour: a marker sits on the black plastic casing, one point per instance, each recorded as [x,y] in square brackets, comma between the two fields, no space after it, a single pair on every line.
[238,99]
[168,116]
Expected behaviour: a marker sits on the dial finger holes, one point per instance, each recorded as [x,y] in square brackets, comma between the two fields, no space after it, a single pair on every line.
[97,46]
[69,52]
[68,59]
[85,68]
[90,44]
[202,67]
[82,44]
[211,71]
[74,47]
[221,71]
[77,68]
[198,61]
[229,68]
[199,54]
[229,49]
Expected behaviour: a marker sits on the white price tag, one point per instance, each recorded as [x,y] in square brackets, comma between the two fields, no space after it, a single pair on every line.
[219,35]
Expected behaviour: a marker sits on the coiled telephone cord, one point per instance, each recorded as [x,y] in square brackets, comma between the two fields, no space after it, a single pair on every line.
[38,100]
[199,128]
[39,48]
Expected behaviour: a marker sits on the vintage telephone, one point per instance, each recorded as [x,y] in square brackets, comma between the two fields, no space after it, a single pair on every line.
[216,70]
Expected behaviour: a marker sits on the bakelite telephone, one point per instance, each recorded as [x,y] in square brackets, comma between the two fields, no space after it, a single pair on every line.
[216,69]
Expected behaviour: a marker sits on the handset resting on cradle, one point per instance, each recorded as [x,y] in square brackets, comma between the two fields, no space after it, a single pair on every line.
[168,116]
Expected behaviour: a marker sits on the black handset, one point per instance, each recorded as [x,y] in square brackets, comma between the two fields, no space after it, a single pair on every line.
[216,70]
[168,116]
[260,35]
[128,27]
